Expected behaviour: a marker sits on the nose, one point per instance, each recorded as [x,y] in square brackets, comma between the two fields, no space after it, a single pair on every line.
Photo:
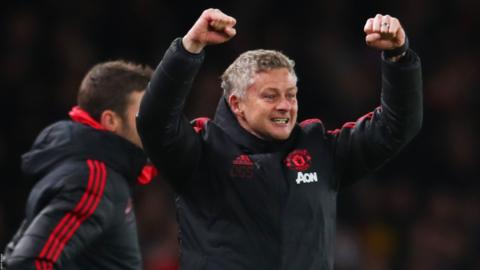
[284,105]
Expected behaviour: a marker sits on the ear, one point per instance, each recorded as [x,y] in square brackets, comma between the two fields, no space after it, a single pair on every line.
[236,105]
[111,121]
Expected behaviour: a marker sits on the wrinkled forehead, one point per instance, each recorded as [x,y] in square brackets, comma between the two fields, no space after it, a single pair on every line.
[278,78]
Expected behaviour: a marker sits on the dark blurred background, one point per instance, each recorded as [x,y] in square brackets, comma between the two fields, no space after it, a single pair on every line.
[419,212]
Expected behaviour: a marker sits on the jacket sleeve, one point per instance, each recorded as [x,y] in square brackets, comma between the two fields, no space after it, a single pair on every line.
[361,147]
[167,136]
[75,217]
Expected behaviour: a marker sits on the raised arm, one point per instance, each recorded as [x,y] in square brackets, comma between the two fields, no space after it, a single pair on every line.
[167,137]
[364,145]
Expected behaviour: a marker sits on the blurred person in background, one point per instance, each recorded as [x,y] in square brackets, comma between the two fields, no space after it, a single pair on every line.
[79,214]
[257,190]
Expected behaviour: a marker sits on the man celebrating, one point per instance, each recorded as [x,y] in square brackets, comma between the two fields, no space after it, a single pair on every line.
[79,214]
[257,190]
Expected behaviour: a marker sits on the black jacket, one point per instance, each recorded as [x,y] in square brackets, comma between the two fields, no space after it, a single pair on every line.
[79,214]
[245,203]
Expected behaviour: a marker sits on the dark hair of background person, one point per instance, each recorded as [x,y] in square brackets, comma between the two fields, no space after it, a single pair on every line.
[107,86]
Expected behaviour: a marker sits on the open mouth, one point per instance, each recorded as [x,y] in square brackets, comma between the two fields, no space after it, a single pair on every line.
[280,120]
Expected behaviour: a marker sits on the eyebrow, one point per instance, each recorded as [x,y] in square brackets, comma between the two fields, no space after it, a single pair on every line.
[276,89]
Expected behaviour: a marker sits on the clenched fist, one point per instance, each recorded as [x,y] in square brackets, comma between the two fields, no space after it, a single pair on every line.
[384,32]
[212,27]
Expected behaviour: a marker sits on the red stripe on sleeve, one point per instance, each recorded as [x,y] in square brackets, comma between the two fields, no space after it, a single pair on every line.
[55,235]
[97,196]
[73,219]
[38,265]
[79,209]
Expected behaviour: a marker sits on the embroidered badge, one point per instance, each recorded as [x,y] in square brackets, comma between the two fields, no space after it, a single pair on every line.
[242,167]
[298,160]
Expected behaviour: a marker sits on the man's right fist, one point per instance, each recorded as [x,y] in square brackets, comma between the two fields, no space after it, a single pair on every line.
[213,27]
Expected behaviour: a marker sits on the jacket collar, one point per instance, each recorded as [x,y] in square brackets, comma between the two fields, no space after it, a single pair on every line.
[148,171]
[80,116]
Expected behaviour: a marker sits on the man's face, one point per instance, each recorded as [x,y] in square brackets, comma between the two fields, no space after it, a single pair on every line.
[269,108]
[128,129]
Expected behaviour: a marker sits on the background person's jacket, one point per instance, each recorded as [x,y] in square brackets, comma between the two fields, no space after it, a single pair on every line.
[79,215]
[245,203]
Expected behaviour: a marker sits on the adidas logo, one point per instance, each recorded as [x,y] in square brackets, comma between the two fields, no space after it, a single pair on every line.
[305,178]
[243,160]
[242,167]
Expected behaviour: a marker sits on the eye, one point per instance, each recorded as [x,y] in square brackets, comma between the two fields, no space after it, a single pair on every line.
[269,97]
[291,96]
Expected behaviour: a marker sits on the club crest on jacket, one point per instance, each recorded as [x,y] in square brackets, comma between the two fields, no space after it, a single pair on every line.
[298,160]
